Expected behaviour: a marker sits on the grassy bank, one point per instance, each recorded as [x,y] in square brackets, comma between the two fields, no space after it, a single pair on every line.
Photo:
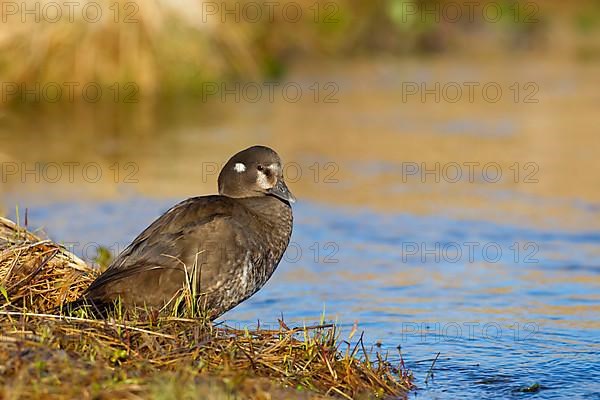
[127,51]
[43,355]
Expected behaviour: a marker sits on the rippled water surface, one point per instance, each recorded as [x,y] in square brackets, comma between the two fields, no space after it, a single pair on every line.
[500,278]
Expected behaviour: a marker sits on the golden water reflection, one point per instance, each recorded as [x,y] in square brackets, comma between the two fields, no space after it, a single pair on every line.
[360,151]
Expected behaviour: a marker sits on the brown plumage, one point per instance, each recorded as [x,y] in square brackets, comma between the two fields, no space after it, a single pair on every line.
[232,242]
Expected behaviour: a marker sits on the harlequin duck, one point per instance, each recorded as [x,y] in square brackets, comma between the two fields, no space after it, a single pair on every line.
[225,247]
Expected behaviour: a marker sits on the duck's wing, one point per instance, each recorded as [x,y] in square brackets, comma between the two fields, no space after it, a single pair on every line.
[196,234]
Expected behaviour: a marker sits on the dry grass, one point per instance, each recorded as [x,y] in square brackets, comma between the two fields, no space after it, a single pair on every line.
[38,274]
[149,356]
[161,47]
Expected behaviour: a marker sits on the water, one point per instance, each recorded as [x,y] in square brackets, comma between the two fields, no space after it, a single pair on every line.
[500,277]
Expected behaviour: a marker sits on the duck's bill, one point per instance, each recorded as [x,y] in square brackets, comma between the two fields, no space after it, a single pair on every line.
[281,190]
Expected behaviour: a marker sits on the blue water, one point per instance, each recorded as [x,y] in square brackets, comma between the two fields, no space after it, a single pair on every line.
[505,306]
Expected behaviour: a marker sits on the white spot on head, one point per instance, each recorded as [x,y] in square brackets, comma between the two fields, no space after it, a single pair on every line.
[262,181]
[239,167]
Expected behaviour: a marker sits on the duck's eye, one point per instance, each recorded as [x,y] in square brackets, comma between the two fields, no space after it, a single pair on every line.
[260,168]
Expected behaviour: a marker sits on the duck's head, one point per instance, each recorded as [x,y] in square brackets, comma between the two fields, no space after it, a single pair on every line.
[256,171]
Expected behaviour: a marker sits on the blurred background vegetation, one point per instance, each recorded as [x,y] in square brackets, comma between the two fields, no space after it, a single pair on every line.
[171,47]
